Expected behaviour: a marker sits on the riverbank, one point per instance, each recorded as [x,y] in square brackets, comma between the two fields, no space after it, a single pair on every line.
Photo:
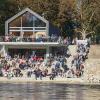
[77,81]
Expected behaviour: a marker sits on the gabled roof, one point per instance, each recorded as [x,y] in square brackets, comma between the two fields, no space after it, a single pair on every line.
[25,10]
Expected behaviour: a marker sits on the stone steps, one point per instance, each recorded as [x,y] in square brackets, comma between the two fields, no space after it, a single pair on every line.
[92,70]
[94,52]
[72,49]
[92,65]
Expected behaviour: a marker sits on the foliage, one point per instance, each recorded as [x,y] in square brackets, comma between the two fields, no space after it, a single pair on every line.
[89,12]
[71,16]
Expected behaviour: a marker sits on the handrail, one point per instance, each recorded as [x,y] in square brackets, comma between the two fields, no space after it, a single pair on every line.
[30,39]
[27,27]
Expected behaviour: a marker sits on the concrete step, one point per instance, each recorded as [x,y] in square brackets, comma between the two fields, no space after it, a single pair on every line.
[94,52]
[92,70]
[72,49]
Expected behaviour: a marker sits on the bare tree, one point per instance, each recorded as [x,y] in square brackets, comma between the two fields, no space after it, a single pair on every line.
[88,10]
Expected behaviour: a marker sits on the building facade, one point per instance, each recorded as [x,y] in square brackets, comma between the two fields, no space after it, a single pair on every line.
[28,32]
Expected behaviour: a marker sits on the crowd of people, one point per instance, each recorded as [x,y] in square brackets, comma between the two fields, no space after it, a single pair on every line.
[54,66]
[38,39]
[80,57]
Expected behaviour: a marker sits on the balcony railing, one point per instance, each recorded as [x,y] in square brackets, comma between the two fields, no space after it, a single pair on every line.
[29,39]
[27,29]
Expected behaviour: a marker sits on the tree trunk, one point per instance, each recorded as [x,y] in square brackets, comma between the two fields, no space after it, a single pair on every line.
[83,34]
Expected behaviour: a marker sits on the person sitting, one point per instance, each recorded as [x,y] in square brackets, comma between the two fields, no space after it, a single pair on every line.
[38,73]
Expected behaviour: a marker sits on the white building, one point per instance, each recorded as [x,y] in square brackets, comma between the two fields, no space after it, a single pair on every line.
[28,32]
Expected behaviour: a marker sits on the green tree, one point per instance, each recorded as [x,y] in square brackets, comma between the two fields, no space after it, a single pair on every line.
[7,9]
[89,12]
[46,8]
[66,17]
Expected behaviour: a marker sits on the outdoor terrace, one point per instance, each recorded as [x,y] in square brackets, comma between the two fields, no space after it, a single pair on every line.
[15,40]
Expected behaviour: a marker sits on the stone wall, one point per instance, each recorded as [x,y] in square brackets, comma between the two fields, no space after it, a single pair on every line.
[92,65]
[94,52]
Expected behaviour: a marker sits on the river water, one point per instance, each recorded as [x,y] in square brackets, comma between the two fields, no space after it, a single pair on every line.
[45,91]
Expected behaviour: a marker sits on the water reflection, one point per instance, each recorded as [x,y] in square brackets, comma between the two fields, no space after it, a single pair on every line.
[40,91]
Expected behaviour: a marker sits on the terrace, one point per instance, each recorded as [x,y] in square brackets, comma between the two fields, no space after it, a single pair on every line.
[49,41]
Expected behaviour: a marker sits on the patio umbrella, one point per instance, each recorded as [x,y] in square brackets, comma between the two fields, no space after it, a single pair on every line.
[41,33]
